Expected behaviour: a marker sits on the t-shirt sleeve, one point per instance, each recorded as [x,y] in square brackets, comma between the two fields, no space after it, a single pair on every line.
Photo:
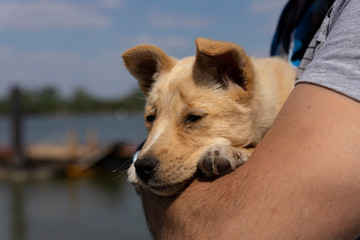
[336,64]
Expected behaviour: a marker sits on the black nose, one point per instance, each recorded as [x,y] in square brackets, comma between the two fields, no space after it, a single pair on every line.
[145,168]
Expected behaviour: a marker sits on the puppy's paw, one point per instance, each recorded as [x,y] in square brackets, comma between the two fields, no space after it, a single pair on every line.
[219,160]
[242,155]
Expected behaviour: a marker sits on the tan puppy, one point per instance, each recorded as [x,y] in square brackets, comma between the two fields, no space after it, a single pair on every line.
[206,112]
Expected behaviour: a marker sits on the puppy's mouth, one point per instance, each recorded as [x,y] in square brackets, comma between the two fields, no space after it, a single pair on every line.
[167,189]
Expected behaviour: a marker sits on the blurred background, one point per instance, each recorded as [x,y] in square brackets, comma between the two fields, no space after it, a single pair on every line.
[71,115]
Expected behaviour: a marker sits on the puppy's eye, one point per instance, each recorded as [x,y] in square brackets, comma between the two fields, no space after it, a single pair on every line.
[191,118]
[150,118]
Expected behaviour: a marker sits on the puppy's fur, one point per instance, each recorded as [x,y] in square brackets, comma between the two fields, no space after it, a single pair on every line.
[206,112]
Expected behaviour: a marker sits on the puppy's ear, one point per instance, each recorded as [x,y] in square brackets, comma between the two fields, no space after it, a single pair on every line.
[223,62]
[145,62]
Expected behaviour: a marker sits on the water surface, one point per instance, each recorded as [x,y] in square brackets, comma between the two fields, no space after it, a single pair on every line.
[92,208]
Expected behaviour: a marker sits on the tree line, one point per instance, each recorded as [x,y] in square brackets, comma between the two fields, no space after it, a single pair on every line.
[48,101]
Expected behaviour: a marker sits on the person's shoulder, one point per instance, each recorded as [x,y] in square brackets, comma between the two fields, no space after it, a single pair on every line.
[343,9]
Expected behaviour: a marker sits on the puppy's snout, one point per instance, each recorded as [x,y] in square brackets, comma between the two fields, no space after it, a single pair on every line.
[145,168]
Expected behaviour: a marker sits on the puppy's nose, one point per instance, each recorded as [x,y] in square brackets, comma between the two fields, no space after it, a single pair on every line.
[145,168]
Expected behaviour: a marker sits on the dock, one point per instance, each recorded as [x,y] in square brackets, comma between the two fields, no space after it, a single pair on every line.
[51,160]
[69,159]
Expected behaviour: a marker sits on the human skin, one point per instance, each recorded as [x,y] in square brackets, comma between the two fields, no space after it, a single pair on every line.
[302,181]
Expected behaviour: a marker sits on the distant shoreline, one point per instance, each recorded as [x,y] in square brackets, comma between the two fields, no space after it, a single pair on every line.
[75,114]
[53,128]
[48,101]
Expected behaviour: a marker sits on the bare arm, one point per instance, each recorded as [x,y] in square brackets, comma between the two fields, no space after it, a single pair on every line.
[302,182]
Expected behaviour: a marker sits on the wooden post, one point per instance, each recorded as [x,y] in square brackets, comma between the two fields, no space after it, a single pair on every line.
[72,144]
[91,139]
[16,123]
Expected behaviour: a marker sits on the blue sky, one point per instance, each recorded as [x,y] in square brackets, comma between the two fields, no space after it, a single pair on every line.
[71,44]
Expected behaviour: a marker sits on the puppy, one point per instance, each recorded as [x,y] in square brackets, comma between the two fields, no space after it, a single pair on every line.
[205,113]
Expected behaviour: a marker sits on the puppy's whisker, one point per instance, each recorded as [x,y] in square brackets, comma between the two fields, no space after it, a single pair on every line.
[128,162]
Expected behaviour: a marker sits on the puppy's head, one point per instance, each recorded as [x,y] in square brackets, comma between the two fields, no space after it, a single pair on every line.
[192,104]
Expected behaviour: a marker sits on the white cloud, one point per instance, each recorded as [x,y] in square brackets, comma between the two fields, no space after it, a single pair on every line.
[48,15]
[159,20]
[167,43]
[267,14]
[103,4]
[103,74]
[267,7]
[112,3]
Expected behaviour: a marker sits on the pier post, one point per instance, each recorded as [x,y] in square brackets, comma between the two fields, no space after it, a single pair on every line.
[72,143]
[16,128]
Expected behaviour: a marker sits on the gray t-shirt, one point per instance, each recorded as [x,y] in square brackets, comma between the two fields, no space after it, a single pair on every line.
[332,59]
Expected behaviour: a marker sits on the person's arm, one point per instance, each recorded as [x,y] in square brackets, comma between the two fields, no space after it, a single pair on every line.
[302,182]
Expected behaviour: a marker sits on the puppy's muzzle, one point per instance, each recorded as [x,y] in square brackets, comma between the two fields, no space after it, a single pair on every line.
[145,168]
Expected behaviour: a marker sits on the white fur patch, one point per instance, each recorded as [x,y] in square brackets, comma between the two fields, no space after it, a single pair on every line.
[132,175]
[154,139]
[136,154]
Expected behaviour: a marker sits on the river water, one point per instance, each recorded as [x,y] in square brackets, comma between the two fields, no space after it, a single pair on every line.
[89,208]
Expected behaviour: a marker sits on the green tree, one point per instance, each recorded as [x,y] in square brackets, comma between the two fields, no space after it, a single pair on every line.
[133,102]
[81,101]
[48,100]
